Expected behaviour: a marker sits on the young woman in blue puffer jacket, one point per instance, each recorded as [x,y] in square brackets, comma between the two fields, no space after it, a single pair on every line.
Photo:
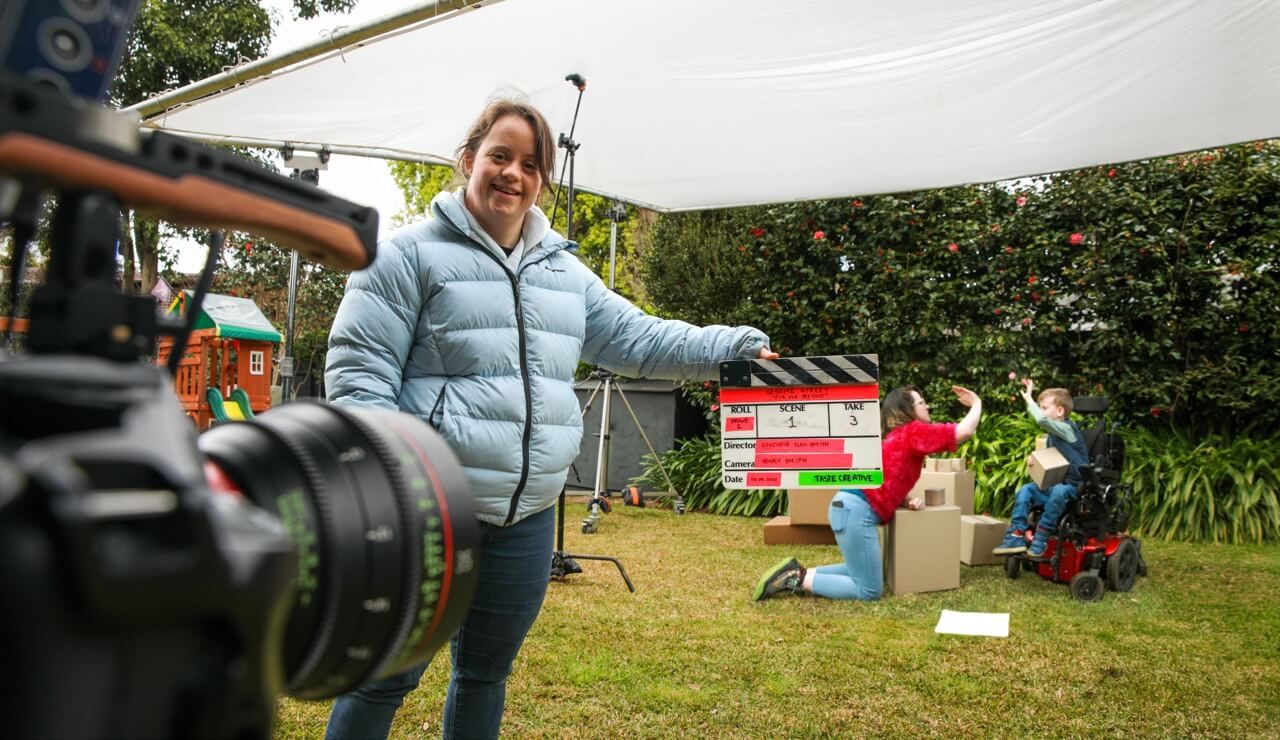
[474,321]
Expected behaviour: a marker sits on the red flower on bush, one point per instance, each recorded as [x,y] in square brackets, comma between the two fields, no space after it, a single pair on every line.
[1243,328]
[1156,411]
[1076,238]
[998,311]
[819,235]
[248,247]
[1008,250]
[1111,172]
[715,407]
[1021,201]
[706,384]
[790,293]
[1035,295]
[756,231]
[1026,322]
[1031,280]
[953,247]
[742,247]
[856,203]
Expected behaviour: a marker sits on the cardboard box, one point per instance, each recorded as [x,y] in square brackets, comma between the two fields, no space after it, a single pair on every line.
[946,464]
[1047,467]
[935,496]
[979,535]
[958,486]
[923,550]
[780,531]
[809,505]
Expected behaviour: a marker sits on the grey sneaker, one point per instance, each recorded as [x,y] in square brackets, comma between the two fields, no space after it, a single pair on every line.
[787,575]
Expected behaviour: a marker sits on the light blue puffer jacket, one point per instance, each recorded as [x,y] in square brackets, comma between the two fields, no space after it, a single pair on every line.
[441,328]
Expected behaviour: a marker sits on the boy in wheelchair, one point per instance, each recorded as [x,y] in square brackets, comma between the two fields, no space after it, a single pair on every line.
[1090,549]
[1051,412]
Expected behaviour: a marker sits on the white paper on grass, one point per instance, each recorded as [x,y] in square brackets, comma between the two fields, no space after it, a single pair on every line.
[979,624]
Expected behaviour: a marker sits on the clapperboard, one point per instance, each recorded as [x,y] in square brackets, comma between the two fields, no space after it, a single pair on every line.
[801,422]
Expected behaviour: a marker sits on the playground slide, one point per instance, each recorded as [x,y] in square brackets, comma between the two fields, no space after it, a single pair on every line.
[223,411]
[241,399]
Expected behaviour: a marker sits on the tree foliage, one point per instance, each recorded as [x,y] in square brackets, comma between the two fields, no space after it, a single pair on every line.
[1153,282]
[173,44]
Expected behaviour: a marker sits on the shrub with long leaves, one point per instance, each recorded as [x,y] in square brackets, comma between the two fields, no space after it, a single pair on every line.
[1216,489]
[695,471]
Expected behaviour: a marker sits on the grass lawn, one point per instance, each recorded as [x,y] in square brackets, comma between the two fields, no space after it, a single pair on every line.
[1193,650]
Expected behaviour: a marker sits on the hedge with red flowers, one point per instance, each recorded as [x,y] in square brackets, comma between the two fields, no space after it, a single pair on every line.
[1153,282]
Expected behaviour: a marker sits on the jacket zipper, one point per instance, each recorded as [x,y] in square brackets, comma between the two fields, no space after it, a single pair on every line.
[528,390]
[528,403]
[524,377]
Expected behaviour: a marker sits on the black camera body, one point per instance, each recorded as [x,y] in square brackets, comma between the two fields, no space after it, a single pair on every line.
[138,604]
[71,46]
[164,583]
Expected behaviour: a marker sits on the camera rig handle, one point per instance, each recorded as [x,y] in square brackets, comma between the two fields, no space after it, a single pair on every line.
[44,142]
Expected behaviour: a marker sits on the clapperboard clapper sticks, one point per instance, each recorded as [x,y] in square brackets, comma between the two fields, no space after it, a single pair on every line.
[801,422]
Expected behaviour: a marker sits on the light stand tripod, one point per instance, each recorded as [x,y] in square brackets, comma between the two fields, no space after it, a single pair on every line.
[563,563]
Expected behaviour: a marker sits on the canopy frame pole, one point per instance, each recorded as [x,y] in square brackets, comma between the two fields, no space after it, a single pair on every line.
[335,42]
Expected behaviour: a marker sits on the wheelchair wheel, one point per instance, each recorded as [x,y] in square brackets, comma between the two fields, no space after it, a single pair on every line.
[1087,586]
[1122,566]
[1011,567]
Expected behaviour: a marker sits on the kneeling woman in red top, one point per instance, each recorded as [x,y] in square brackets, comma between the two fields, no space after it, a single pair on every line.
[908,437]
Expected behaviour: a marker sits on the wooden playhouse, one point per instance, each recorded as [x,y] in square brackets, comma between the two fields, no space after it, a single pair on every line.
[228,357]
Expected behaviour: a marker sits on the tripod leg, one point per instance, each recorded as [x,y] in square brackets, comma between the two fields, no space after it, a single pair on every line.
[679,502]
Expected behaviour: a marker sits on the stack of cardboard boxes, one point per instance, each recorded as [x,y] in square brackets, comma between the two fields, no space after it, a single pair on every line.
[805,522]
[919,547]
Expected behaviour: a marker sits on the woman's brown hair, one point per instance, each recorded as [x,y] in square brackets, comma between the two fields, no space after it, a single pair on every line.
[544,146]
[898,408]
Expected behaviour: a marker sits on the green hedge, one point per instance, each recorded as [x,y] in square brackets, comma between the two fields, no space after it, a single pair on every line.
[1154,283]
[1219,489]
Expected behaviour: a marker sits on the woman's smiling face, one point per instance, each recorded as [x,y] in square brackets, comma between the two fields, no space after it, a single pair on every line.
[503,179]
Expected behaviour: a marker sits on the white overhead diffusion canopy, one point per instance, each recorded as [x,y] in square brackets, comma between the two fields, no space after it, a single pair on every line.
[696,104]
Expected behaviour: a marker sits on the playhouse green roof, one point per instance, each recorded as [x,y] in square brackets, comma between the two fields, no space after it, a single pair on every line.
[231,317]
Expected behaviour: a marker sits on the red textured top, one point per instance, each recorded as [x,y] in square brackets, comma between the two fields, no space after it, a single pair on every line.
[902,453]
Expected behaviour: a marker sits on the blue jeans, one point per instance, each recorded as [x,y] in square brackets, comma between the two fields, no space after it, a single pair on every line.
[861,575]
[515,565]
[1054,502]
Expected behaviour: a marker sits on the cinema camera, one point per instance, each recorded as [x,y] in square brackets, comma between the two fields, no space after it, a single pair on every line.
[158,584]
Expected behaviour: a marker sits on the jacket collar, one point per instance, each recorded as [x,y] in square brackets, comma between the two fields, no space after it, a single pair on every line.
[538,236]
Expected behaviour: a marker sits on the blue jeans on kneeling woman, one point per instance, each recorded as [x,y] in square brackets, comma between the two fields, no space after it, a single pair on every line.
[861,575]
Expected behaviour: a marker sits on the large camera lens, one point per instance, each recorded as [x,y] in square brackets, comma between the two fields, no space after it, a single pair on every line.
[382,517]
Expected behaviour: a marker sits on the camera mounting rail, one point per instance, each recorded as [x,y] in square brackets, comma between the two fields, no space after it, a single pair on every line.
[56,142]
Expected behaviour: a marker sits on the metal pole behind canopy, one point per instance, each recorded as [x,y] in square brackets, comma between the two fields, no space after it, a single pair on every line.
[427,12]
